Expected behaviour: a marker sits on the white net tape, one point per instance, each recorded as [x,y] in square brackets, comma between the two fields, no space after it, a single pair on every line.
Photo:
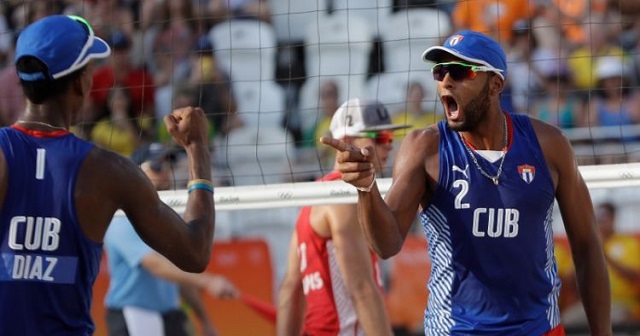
[333,192]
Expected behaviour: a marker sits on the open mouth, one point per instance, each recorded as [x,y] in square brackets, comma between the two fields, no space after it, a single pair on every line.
[450,106]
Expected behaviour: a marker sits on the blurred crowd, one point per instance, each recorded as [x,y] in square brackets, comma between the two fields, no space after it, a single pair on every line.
[574,64]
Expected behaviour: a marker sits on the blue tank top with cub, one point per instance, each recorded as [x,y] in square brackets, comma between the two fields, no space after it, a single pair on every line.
[48,265]
[491,246]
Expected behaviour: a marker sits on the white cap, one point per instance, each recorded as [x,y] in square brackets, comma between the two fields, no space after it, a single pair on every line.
[610,66]
[355,117]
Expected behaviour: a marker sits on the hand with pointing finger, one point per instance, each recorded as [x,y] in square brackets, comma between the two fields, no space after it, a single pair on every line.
[355,164]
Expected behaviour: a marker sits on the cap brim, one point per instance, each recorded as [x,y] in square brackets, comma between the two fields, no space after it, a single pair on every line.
[99,49]
[388,127]
[436,53]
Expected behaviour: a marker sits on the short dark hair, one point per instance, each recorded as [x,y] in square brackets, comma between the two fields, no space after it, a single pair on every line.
[41,90]
[609,206]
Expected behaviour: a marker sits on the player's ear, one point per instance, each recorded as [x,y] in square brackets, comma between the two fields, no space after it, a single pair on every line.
[496,84]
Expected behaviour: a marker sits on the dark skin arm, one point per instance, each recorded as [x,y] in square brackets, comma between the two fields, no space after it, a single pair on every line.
[108,182]
[579,220]
[386,223]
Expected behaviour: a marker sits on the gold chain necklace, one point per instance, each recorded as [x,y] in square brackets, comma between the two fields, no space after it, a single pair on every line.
[42,124]
[495,178]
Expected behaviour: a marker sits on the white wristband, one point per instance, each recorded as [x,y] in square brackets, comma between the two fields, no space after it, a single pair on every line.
[368,189]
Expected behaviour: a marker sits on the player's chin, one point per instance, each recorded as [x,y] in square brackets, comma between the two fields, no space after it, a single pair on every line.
[457,125]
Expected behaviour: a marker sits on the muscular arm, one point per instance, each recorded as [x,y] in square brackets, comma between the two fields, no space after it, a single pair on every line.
[291,304]
[355,265]
[108,182]
[386,223]
[578,216]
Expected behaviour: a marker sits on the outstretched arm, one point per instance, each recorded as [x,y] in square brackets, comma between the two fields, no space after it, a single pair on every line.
[214,285]
[386,224]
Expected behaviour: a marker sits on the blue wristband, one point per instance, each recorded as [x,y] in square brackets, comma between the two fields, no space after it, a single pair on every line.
[200,185]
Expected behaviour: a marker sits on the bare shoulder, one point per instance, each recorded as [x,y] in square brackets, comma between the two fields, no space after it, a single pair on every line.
[556,148]
[422,141]
[109,167]
[415,167]
[551,138]
[331,219]
[419,151]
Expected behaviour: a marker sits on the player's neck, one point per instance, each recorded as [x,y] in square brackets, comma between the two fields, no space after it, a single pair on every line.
[491,134]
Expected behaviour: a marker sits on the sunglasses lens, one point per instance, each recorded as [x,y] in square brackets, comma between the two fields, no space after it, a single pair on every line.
[384,137]
[457,72]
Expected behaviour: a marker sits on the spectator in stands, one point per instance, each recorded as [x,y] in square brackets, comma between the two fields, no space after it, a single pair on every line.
[494,18]
[213,89]
[600,40]
[144,289]
[559,25]
[332,283]
[414,112]
[527,60]
[559,105]
[626,6]
[621,253]
[122,72]
[149,24]
[221,10]
[177,30]
[328,103]
[120,130]
[12,100]
[209,87]
[615,103]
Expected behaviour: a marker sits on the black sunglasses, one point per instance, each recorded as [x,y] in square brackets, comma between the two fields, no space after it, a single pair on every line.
[457,71]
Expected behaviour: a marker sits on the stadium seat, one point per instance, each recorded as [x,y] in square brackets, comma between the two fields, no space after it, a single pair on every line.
[245,49]
[260,151]
[260,103]
[414,30]
[376,12]
[289,15]
[338,44]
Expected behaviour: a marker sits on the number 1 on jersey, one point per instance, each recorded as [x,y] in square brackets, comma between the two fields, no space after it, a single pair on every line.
[40,160]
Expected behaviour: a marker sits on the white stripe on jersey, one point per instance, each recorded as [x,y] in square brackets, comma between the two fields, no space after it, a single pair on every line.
[442,273]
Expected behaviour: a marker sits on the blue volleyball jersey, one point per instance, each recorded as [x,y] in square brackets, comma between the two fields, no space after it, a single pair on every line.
[48,265]
[491,246]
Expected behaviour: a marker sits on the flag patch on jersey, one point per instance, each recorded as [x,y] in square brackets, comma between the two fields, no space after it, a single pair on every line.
[527,172]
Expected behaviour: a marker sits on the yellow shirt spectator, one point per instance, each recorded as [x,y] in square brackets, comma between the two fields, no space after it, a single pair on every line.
[624,250]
